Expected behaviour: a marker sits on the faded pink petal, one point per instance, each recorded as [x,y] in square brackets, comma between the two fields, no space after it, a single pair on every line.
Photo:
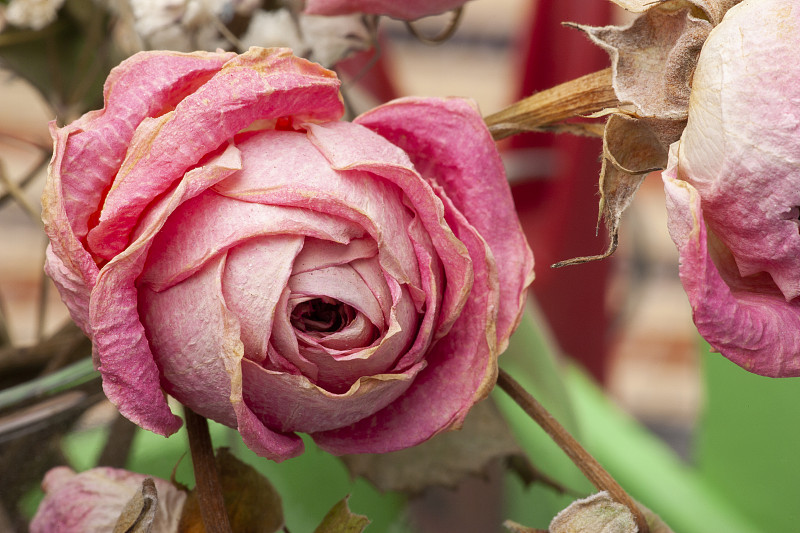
[258,85]
[279,271]
[130,376]
[450,146]
[733,185]
[92,501]
[740,148]
[746,320]
[406,10]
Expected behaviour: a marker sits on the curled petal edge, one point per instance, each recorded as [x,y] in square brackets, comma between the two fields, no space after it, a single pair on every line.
[752,326]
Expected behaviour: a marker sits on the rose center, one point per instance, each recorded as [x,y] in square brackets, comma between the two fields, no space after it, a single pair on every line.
[322,314]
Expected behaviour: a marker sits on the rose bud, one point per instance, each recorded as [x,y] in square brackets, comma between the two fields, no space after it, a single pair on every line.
[733,189]
[99,499]
[224,238]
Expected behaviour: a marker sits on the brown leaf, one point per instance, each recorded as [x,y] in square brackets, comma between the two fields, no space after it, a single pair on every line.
[341,520]
[444,460]
[252,503]
[140,511]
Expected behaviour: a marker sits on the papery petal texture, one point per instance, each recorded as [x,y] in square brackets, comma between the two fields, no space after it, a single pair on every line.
[733,188]
[92,501]
[279,271]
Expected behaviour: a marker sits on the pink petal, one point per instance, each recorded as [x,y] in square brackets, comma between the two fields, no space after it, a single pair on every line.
[284,168]
[317,253]
[449,145]
[740,149]
[350,147]
[258,85]
[462,369]
[130,375]
[209,224]
[200,355]
[341,283]
[145,85]
[406,10]
[746,320]
[292,403]
[93,501]
[256,273]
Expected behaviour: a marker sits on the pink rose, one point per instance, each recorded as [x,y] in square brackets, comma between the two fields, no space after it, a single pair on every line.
[221,236]
[93,501]
[405,10]
[733,189]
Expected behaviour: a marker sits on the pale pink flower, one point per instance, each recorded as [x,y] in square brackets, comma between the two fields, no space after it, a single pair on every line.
[222,236]
[733,188]
[92,501]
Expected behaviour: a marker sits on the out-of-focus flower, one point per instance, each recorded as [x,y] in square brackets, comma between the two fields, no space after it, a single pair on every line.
[408,10]
[733,189]
[33,14]
[92,501]
[324,40]
[222,236]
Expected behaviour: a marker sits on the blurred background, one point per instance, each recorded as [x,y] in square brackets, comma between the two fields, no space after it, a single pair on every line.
[685,431]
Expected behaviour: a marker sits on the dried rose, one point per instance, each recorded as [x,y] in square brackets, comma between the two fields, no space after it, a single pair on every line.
[409,10]
[97,500]
[733,189]
[220,235]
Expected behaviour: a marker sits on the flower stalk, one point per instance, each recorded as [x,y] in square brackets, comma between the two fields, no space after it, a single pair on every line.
[587,464]
[208,488]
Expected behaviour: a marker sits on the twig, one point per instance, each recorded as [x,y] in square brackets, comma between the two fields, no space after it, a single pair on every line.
[587,464]
[444,35]
[6,196]
[544,110]
[16,193]
[209,491]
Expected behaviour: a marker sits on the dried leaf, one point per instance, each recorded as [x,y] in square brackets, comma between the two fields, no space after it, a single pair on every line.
[140,511]
[252,503]
[341,520]
[444,460]
[547,110]
[596,514]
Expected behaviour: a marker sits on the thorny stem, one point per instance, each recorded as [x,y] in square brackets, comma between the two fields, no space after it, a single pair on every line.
[587,464]
[547,110]
[209,491]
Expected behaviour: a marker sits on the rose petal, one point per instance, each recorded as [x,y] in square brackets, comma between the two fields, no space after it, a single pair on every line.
[284,168]
[341,283]
[200,356]
[752,326]
[293,403]
[130,375]
[449,145]
[317,253]
[352,147]
[209,224]
[260,84]
[256,273]
[93,500]
[740,149]
[462,369]
[145,85]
